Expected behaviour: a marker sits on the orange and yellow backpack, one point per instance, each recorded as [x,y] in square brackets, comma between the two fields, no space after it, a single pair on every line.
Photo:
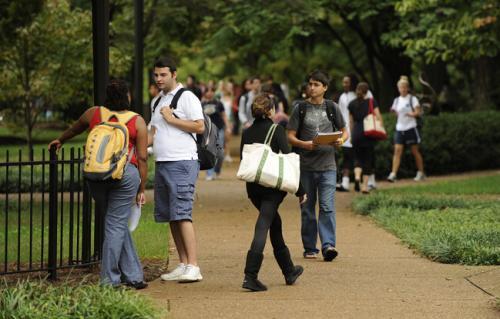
[106,149]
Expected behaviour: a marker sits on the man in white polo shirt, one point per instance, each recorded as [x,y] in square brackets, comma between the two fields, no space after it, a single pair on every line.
[173,133]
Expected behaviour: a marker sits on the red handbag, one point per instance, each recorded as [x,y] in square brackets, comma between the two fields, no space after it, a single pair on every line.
[372,127]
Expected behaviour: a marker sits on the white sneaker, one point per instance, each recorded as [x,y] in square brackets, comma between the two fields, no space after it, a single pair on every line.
[174,274]
[209,178]
[420,176]
[228,158]
[191,274]
[391,178]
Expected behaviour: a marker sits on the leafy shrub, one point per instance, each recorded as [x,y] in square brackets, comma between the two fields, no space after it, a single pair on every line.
[368,204]
[34,299]
[445,229]
[451,142]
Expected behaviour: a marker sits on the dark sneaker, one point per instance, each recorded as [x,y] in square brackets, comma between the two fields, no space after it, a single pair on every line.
[356,185]
[292,277]
[137,284]
[329,254]
[253,284]
[341,189]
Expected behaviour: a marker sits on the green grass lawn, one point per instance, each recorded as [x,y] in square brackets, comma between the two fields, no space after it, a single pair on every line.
[473,186]
[151,238]
[439,222]
[42,299]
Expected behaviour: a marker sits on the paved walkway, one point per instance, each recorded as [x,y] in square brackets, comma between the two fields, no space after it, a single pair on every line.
[375,276]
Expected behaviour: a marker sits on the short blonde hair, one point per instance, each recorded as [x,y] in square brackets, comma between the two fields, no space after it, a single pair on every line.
[403,80]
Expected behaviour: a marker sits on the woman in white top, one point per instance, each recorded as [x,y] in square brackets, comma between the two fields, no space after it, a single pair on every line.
[226,89]
[407,109]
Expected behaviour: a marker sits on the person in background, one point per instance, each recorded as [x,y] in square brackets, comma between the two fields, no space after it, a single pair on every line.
[216,111]
[245,106]
[407,109]
[227,100]
[363,147]
[267,200]
[192,86]
[349,83]
[279,117]
[120,264]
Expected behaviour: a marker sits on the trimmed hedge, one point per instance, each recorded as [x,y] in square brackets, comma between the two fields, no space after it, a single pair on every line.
[451,142]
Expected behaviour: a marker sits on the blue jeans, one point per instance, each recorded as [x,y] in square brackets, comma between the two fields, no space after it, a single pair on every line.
[119,258]
[320,184]
[220,160]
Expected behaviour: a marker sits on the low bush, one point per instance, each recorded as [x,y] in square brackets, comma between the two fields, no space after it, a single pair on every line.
[34,299]
[444,228]
[451,142]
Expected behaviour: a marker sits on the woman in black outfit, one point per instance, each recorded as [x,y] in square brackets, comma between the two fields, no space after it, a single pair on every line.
[267,201]
[364,147]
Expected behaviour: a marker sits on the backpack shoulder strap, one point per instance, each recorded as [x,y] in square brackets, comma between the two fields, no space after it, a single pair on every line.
[301,108]
[411,102]
[330,112]
[124,118]
[105,114]
[175,99]
[157,102]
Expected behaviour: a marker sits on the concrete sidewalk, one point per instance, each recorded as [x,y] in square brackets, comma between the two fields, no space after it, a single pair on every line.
[374,276]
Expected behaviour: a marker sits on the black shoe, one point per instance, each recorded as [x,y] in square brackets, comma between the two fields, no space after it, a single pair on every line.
[137,284]
[252,267]
[292,277]
[329,254]
[290,272]
[356,185]
[342,189]
[253,284]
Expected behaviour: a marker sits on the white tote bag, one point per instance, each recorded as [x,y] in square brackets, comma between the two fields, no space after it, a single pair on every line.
[261,165]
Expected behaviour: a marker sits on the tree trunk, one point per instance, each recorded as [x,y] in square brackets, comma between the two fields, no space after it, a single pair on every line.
[28,121]
[481,84]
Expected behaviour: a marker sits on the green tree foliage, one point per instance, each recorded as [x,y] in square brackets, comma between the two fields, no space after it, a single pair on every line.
[47,63]
[447,30]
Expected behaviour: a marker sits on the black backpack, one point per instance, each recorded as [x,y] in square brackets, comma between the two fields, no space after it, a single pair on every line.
[207,143]
[330,111]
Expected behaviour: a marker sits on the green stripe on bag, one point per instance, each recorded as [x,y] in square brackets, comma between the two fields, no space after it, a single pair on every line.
[261,166]
[280,176]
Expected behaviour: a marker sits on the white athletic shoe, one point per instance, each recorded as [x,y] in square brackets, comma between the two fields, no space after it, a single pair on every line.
[420,176]
[391,178]
[174,274]
[191,274]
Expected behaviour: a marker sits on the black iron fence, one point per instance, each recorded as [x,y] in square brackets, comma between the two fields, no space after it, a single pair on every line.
[47,216]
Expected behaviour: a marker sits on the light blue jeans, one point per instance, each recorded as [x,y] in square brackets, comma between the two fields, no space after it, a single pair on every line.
[119,258]
[318,185]
[218,167]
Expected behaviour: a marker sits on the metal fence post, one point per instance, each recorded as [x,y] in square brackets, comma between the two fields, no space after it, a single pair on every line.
[52,262]
[86,223]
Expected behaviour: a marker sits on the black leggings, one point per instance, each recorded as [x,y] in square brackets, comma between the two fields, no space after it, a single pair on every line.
[268,220]
[364,158]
